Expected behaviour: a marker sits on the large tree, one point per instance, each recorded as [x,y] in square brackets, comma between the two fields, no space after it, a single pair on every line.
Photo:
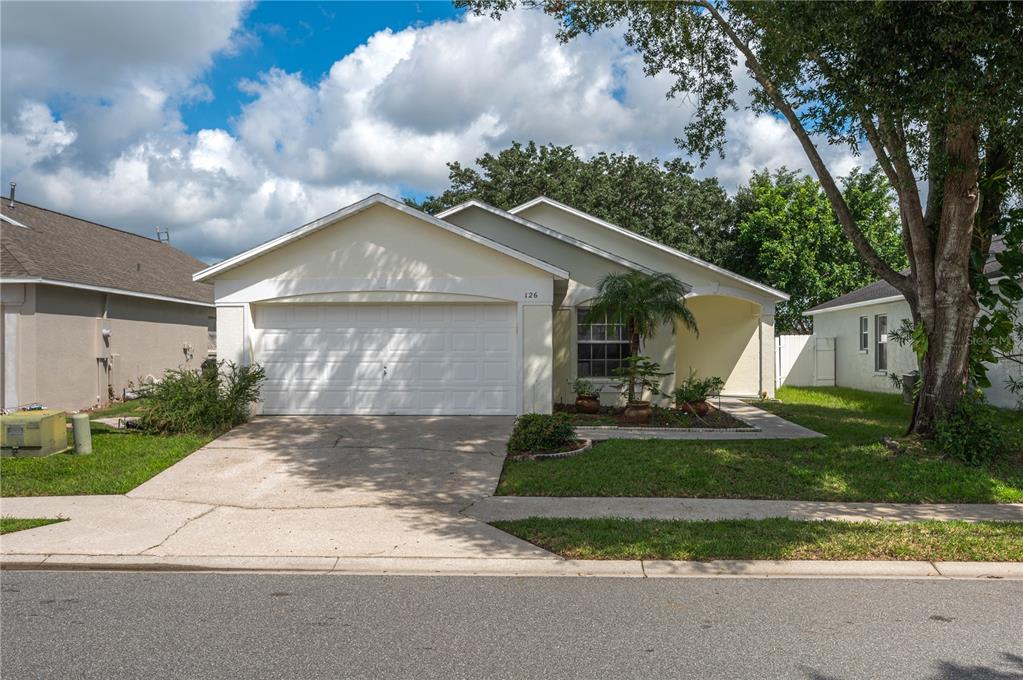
[933,88]
[787,235]
[662,201]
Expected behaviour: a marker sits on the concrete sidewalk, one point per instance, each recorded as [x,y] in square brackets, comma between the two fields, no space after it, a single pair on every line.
[766,426]
[496,508]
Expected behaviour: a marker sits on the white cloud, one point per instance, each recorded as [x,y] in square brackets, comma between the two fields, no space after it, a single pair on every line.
[390,114]
[34,137]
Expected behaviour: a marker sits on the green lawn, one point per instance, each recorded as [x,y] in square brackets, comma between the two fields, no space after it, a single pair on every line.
[115,410]
[120,461]
[772,539]
[11,524]
[849,465]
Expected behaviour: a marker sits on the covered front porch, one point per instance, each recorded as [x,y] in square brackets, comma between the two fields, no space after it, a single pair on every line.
[735,341]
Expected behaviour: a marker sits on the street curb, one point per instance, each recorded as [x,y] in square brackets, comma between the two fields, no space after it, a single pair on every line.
[519,567]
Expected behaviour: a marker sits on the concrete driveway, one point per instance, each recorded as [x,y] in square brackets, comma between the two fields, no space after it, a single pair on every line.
[324,486]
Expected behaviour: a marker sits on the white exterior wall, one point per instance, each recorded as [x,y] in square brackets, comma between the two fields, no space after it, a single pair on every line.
[998,394]
[856,369]
[739,318]
[537,359]
[853,367]
[384,255]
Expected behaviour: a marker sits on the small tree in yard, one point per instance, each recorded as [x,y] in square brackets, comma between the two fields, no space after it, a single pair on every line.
[643,302]
[933,88]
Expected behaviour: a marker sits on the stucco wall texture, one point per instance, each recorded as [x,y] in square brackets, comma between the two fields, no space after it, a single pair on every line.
[58,343]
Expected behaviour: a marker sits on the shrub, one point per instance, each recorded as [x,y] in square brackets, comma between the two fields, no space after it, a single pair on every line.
[970,433]
[213,399]
[540,432]
[694,389]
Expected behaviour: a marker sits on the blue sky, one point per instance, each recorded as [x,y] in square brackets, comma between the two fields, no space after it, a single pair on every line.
[306,37]
[230,123]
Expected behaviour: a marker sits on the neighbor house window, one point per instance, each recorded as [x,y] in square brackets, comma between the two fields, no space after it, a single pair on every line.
[881,342]
[602,347]
[864,334]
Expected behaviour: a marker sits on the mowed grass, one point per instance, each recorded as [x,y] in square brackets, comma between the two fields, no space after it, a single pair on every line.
[850,464]
[120,461]
[12,524]
[771,539]
[118,409]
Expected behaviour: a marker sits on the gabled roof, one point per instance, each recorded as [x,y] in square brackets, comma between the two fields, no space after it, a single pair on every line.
[473,203]
[774,292]
[38,245]
[882,291]
[360,206]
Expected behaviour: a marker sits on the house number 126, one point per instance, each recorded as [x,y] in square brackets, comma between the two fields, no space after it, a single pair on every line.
[532,295]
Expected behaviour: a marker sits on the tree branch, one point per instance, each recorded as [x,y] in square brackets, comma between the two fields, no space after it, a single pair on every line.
[831,190]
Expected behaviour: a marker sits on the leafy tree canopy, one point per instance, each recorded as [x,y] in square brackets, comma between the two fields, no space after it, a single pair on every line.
[662,201]
[932,87]
[787,235]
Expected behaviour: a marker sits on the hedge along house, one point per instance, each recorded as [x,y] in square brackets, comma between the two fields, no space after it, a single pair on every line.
[379,308]
[860,323]
[88,310]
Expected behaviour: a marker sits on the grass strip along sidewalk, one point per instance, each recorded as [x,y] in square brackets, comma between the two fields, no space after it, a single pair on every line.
[11,524]
[850,464]
[771,539]
[120,461]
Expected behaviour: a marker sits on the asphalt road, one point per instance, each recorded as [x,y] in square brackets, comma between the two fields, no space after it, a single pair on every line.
[162,625]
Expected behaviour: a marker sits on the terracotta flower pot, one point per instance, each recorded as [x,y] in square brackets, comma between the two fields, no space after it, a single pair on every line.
[699,408]
[587,403]
[637,413]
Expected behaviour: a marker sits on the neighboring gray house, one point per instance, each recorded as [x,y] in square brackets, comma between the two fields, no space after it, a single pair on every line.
[87,309]
[859,323]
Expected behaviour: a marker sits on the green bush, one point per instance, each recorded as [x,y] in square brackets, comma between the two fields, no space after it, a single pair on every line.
[970,433]
[694,389]
[541,432]
[207,401]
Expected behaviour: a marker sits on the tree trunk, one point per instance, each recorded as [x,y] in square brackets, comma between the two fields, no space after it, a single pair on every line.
[949,313]
[634,342]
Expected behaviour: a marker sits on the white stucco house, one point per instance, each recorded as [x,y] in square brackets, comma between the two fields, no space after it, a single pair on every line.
[859,323]
[379,308]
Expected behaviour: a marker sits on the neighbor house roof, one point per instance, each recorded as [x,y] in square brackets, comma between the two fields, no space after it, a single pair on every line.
[881,291]
[44,246]
[773,292]
[355,208]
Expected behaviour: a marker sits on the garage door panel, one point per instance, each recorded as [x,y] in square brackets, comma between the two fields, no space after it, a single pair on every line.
[439,359]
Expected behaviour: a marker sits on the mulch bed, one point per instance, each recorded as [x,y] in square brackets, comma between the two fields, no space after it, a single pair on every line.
[613,416]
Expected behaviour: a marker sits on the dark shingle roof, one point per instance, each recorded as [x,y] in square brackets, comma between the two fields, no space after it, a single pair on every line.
[60,247]
[882,289]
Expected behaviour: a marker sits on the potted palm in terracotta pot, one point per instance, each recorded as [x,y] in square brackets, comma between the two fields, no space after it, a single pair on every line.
[643,303]
[587,397]
[639,375]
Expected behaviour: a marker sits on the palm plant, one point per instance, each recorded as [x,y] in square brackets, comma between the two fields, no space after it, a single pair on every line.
[643,302]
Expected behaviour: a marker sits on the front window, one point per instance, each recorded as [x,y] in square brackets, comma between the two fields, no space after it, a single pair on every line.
[881,342]
[602,347]
[864,334]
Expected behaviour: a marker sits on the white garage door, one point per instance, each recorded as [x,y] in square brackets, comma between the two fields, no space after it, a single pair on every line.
[388,359]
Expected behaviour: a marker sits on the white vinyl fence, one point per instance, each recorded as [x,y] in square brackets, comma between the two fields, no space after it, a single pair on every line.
[804,361]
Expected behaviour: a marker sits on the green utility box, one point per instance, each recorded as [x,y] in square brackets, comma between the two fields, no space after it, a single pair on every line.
[33,433]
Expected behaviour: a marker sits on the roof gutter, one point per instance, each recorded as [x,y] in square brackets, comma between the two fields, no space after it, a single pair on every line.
[104,289]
